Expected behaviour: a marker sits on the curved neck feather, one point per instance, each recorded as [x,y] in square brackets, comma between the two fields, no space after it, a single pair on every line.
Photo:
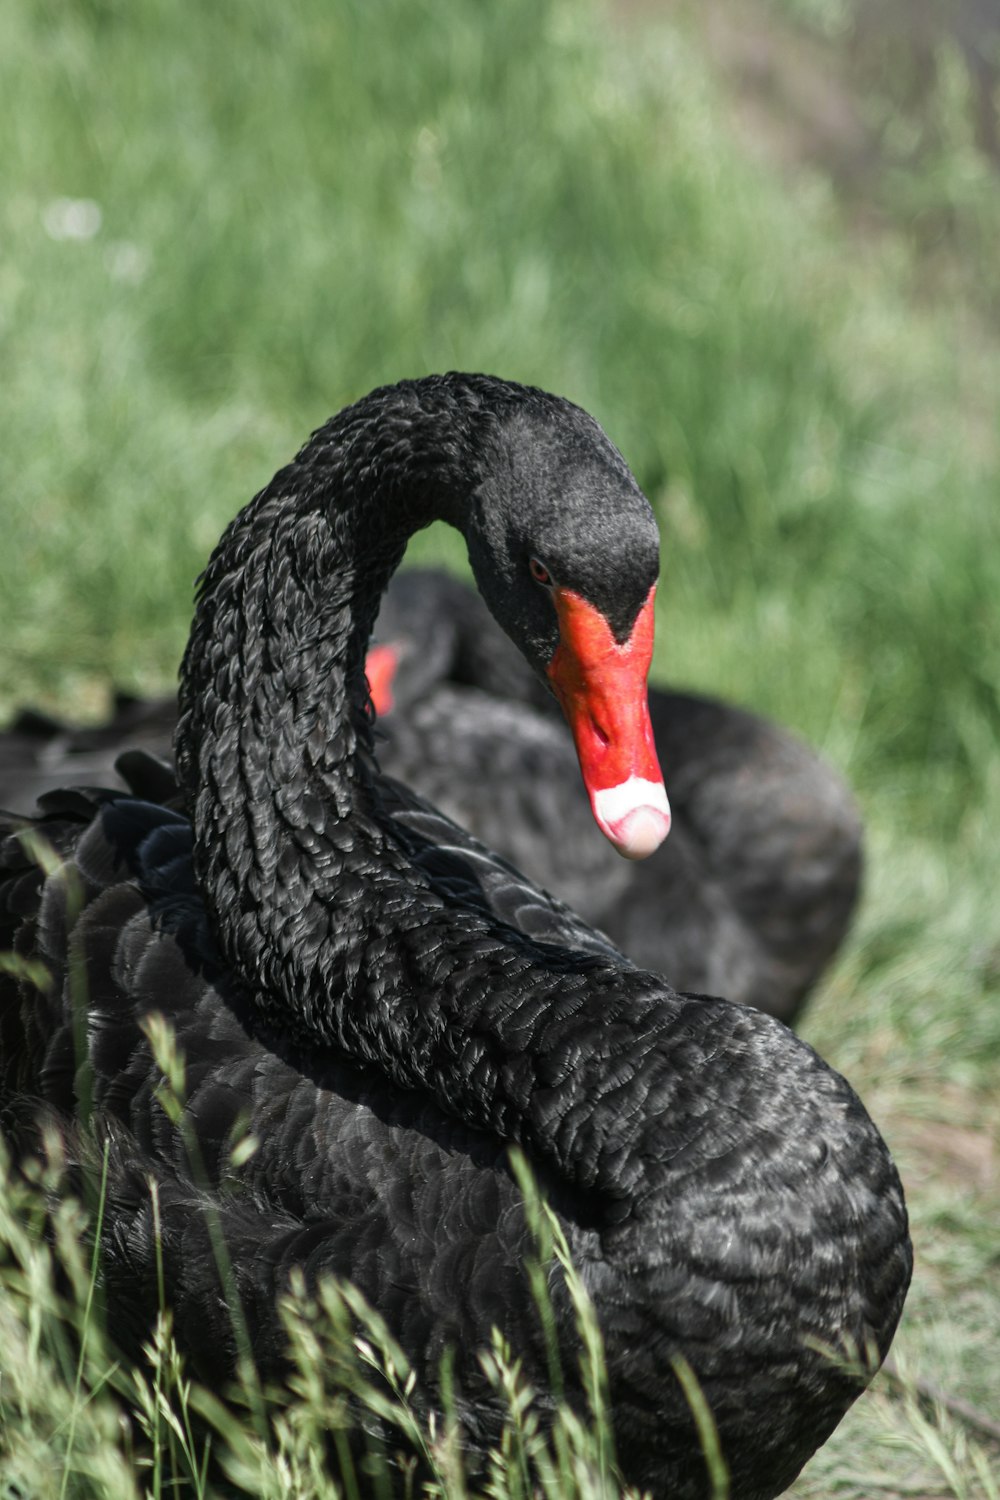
[274,741]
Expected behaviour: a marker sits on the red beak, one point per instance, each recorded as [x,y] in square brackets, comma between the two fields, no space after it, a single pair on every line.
[380,669]
[601,687]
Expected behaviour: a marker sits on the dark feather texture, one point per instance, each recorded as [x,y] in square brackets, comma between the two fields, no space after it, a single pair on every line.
[387,1008]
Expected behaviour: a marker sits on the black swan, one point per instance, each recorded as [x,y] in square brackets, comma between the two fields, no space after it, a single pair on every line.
[749,897]
[389,1007]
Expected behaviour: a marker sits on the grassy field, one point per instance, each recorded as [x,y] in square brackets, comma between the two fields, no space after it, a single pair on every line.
[221,225]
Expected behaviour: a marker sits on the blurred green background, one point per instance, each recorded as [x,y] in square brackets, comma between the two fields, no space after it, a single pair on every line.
[757,239]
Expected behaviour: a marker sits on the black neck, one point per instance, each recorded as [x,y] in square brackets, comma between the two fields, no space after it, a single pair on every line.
[275,663]
[314,900]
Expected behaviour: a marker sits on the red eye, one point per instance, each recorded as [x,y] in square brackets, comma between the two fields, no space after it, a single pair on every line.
[540,574]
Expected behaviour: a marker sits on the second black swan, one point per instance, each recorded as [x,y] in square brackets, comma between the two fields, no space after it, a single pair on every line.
[389,1007]
[753,891]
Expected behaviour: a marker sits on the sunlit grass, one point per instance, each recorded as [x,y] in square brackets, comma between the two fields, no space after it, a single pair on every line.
[350,1419]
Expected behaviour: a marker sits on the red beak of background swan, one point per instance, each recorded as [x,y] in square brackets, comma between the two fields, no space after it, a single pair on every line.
[380,669]
[601,687]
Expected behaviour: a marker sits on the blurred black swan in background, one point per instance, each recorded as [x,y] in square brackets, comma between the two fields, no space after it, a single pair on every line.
[388,1006]
[749,897]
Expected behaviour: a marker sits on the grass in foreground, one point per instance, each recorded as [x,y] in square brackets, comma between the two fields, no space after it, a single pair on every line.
[78,1420]
[294,205]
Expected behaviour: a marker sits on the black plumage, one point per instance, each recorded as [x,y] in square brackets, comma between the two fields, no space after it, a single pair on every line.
[352,977]
[39,753]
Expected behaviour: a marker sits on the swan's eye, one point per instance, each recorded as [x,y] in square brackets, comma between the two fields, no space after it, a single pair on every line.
[539,573]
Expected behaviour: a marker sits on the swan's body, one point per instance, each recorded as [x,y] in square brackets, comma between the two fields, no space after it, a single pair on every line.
[387,1007]
[749,897]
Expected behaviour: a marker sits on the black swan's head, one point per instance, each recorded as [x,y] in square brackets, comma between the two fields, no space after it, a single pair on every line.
[565,550]
[562,542]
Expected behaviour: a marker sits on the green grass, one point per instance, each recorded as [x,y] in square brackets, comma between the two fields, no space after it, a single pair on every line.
[924,88]
[78,1421]
[299,202]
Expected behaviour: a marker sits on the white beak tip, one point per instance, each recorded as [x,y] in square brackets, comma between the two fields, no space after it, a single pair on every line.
[640,833]
[635,816]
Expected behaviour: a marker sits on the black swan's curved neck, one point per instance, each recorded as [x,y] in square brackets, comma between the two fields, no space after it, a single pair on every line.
[314,900]
[286,604]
